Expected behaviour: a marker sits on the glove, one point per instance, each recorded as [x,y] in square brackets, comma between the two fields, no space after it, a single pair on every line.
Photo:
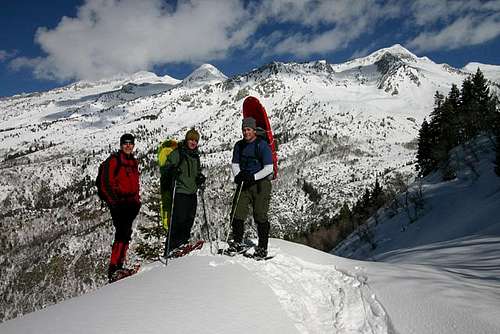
[200,180]
[244,177]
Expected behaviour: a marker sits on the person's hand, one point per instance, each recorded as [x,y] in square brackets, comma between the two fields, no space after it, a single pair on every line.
[244,177]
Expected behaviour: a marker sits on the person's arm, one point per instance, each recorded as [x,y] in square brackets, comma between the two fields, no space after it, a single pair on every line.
[264,172]
[235,167]
[267,160]
[235,162]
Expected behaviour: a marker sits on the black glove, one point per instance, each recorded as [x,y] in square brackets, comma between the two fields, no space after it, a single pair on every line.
[200,180]
[244,177]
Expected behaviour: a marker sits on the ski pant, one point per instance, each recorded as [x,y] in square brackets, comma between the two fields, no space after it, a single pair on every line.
[258,196]
[123,216]
[182,221]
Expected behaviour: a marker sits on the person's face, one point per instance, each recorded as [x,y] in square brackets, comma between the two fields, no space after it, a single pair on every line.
[128,147]
[192,144]
[249,134]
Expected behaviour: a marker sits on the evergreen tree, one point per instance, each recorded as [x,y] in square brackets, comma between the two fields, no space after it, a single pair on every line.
[454,97]
[449,128]
[377,195]
[458,118]
[366,199]
[437,132]
[425,163]
[481,93]
[468,119]
[497,151]
[357,214]
[497,146]
[455,115]
[346,225]
[438,99]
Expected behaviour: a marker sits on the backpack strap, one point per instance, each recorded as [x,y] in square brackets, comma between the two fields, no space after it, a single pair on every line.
[257,152]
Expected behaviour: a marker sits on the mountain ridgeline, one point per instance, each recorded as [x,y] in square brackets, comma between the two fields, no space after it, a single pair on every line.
[341,129]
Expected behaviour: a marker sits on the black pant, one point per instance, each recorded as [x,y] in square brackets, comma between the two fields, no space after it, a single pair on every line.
[123,216]
[262,232]
[182,219]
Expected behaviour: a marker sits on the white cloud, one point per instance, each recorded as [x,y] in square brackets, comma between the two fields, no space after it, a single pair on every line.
[427,12]
[108,37]
[454,24]
[463,32]
[5,55]
[332,25]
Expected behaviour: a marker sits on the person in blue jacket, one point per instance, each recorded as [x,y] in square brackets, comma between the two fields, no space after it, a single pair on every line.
[252,166]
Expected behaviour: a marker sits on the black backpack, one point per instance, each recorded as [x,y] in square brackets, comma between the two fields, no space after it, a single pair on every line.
[99,182]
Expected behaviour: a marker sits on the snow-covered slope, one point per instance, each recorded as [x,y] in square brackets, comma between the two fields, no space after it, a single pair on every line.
[300,290]
[449,253]
[203,293]
[491,72]
[338,127]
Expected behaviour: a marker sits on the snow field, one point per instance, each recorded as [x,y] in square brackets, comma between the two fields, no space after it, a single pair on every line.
[318,298]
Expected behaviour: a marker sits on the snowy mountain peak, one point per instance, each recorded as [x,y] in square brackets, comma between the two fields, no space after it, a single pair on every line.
[150,77]
[397,50]
[205,74]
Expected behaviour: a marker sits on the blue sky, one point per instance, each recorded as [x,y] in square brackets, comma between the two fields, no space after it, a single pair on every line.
[45,44]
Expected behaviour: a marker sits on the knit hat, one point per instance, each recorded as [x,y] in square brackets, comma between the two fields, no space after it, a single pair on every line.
[249,122]
[127,138]
[192,135]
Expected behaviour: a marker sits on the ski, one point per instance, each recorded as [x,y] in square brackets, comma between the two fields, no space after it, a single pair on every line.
[258,258]
[186,249]
[223,251]
[124,273]
[247,245]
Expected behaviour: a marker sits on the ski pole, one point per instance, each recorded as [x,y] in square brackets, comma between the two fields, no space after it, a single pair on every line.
[160,223]
[171,222]
[233,208]
[207,227]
